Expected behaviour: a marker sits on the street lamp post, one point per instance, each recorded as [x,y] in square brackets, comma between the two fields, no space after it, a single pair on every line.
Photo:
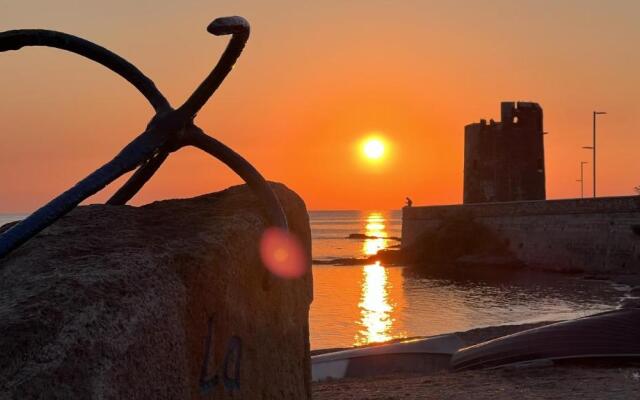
[593,148]
[581,180]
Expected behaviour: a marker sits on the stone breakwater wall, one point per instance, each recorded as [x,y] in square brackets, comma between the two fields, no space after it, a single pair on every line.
[590,235]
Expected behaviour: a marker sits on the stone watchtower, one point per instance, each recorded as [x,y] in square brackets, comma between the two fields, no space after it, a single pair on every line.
[504,161]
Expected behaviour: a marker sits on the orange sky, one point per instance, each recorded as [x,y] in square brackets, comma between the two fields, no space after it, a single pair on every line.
[315,78]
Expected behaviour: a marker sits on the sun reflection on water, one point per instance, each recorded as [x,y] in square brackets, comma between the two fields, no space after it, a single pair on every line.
[375,229]
[376,320]
[375,310]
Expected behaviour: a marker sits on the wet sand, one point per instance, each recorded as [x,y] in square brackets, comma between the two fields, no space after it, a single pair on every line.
[567,381]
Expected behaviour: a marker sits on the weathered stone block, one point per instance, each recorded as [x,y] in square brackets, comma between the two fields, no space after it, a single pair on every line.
[149,302]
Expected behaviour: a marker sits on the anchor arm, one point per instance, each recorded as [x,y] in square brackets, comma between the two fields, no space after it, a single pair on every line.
[168,131]
[17,39]
[239,28]
[245,170]
[138,179]
[130,157]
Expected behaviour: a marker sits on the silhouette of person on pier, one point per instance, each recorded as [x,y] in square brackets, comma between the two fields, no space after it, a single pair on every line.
[409,202]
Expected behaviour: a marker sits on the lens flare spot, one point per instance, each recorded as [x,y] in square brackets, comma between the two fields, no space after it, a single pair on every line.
[282,253]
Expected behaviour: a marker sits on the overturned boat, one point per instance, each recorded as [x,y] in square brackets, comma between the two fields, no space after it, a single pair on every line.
[612,335]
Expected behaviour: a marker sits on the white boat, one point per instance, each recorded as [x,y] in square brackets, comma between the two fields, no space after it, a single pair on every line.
[411,356]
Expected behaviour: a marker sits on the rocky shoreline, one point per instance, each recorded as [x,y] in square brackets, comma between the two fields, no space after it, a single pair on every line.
[385,257]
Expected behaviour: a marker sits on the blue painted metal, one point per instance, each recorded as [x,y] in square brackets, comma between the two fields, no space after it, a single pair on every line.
[168,131]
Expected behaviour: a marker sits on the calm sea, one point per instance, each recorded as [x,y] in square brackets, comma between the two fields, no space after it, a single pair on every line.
[356,305]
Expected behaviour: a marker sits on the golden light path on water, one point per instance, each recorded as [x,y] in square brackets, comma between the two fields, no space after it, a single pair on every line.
[374,227]
[376,320]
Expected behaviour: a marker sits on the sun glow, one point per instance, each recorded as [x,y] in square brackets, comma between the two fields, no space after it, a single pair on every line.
[373,148]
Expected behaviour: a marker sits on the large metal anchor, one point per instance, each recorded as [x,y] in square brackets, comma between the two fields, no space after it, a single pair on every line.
[168,131]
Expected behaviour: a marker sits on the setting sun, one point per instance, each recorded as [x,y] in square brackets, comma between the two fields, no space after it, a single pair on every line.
[373,148]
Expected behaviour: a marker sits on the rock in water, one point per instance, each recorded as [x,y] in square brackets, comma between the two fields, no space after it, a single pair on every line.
[165,301]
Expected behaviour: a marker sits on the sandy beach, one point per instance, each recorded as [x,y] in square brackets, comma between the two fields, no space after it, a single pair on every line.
[575,382]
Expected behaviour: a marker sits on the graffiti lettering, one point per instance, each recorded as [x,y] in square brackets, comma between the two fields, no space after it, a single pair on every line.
[230,368]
